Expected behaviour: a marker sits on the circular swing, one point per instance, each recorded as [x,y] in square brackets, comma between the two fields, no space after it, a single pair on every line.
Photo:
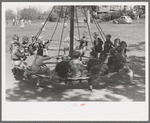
[38,34]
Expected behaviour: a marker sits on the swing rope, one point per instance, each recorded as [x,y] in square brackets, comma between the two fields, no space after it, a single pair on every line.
[98,29]
[88,29]
[55,27]
[38,34]
[62,33]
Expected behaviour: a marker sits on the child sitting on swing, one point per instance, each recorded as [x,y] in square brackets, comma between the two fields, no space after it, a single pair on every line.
[83,43]
[97,43]
[116,43]
[25,45]
[123,44]
[33,47]
[116,62]
[14,41]
[17,56]
[76,65]
[107,46]
[39,67]
[63,67]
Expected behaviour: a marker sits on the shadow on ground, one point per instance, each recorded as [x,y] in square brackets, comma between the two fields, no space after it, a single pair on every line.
[114,89]
[137,47]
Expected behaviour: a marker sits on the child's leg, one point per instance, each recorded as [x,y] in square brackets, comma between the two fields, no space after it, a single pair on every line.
[39,81]
[104,70]
[129,72]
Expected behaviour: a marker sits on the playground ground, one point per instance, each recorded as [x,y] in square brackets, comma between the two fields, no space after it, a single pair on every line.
[110,90]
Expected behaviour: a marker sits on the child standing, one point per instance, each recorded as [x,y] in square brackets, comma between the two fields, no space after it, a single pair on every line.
[76,65]
[93,67]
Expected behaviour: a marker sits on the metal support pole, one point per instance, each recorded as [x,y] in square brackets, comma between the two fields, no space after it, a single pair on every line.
[71,31]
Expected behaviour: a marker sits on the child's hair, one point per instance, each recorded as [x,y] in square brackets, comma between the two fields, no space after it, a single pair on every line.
[119,49]
[117,39]
[15,37]
[76,54]
[94,54]
[25,39]
[40,52]
[123,42]
[108,35]
[65,58]
[95,34]
[112,52]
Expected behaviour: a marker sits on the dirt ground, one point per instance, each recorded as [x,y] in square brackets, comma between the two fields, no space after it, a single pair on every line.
[114,89]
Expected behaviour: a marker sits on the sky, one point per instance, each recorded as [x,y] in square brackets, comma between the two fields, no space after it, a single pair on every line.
[45,6]
[15,5]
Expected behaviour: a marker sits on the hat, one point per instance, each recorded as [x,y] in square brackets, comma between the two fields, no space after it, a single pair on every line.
[112,52]
[108,35]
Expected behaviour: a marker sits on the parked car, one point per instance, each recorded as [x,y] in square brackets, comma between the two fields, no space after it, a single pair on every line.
[123,20]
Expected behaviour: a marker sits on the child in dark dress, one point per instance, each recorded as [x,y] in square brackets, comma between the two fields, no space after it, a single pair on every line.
[97,43]
[107,46]
[93,67]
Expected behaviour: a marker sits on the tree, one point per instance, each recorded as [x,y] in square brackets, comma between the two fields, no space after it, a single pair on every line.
[10,15]
[30,13]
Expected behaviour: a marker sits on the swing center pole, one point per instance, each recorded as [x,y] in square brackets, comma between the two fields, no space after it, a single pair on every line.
[71,32]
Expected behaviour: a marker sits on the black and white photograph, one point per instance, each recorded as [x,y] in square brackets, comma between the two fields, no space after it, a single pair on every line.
[75,55]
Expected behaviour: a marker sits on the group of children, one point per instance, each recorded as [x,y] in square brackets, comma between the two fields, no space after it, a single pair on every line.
[115,57]
[113,53]
[20,51]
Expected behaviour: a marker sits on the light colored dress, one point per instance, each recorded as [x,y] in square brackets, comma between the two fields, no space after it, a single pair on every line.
[76,68]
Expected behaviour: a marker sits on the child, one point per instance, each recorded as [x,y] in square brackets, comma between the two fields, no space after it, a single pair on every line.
[67,40]
[107,46]
[63,68]
[116,62]
[17,57]
[97,43]
[112,65]
[15,41]
[33,47]
[123,44]
[116,43]
[25,45]
[76,65]
[124,62]
[39,67]
[93,67]
[83,43]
